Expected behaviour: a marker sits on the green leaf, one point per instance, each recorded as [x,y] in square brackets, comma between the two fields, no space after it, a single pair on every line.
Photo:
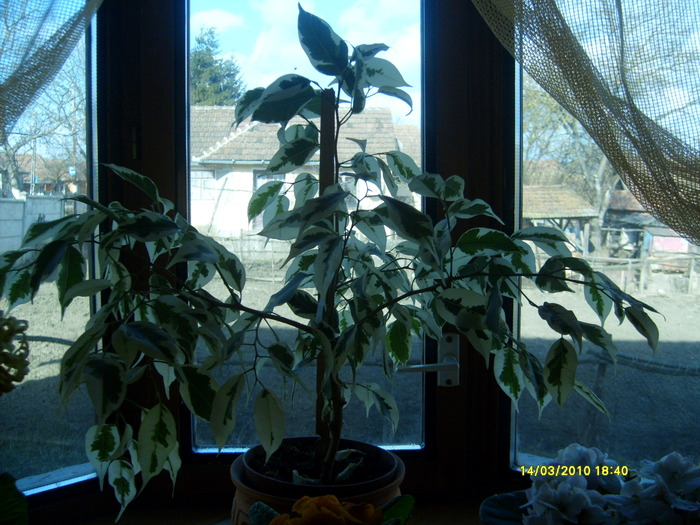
[533,373]
[223,410]
[308,239]
[379,72]
[282,356]
[74,358]
[123,480]
[247,104]
[590,396]
[552,276]
[157,439]
[263,197]
[105,381]
[46,264]
[397,93]
[560,370]
[398,338]
[600,337]
[561,320]
[148,226]
[486,241]
[552,240]
[405,220]
[506,369]
[468,209]
[198,390]
[330,255]
[195,249]
[140,181]
[71,273]
[371,226]
[402,165]
[303,304]
[101,443]
[86,289]
[644,325]
[291,156]
[600,302]
[261,514]
[386,404]
[327,52]
[428,185]
[305,188]
[283,99]
[268,415]
[397,511]
[40,232]
[147,338]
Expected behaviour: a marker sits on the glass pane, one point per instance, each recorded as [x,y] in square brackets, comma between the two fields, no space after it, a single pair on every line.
[43,161]
[261,39]
[567,182]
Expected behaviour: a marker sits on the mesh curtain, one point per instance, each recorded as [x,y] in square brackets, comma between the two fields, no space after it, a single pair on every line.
[629,71]
[36,38]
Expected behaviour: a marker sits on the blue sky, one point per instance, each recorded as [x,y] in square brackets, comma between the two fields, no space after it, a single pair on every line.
[262,35]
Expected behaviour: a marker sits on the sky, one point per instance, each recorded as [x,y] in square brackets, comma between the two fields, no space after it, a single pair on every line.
[262,36]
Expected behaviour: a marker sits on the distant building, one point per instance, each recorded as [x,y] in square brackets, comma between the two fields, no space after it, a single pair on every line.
[228,163]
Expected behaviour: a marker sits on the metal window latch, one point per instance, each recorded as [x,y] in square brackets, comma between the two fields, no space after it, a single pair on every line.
[447,366]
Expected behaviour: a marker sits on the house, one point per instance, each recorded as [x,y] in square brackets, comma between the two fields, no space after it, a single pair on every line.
[560,207]
[228,163]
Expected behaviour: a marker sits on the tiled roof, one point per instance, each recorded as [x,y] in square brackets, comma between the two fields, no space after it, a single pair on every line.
[555,202]
[212,137]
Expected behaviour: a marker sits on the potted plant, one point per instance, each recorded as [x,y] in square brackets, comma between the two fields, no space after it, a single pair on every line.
[351,289]
[14,366]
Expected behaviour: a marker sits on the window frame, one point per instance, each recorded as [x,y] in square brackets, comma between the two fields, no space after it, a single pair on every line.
[468,128]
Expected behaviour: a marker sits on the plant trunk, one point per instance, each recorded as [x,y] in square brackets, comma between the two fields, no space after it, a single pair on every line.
[329,394]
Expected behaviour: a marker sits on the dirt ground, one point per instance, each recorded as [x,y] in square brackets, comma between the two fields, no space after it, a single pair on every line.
[651,413]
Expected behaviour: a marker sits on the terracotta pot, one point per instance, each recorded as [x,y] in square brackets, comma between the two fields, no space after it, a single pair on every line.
[252,486]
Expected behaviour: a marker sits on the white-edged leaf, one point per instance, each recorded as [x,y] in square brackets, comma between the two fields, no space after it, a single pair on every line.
[591,397]
[197,389]
[122,479]
[509,376]
[104,379]
[327,52]
[560,370]
[268,415]
[644,325]
[157,438]
[224,408]
[101,443]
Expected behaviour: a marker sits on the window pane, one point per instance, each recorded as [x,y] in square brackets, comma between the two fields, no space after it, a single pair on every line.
[43,161]
[228,164]
[567,182]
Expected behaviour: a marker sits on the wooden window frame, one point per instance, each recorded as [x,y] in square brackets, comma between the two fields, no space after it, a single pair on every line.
[468,127]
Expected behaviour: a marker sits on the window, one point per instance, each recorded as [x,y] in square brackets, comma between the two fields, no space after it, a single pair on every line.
[44,159]
[468,128]
[568,182]
[259,48]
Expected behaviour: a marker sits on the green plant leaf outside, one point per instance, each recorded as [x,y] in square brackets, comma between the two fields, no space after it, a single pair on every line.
[268,415]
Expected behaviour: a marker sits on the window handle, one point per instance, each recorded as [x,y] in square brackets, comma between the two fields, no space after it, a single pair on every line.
[447,366]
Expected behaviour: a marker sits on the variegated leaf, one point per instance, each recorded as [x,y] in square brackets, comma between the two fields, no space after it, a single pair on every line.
[268,415]
[157,439]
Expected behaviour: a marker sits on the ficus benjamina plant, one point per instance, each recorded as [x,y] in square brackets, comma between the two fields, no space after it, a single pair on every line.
[366,270]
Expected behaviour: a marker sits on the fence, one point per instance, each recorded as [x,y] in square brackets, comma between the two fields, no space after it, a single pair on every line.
[16,215]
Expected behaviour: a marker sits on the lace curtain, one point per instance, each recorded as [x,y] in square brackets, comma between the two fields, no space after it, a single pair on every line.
[629,71]
[36,38]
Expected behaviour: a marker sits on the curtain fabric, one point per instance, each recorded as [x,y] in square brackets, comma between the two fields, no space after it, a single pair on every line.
[629,71]
[36,38]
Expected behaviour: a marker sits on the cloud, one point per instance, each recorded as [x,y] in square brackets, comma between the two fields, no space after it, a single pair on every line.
[217,18]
